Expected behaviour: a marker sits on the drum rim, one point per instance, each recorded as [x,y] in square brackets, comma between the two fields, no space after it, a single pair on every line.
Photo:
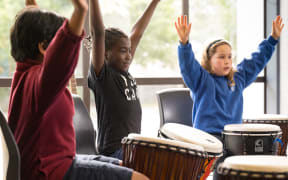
[244,173]
[243,127]
[266,121]
[266,117]
[184,150]
[251,133]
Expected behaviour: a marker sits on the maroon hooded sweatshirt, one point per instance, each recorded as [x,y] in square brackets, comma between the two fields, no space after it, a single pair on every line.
[41,109]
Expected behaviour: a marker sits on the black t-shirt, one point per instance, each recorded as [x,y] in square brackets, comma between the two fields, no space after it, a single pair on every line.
[118,107]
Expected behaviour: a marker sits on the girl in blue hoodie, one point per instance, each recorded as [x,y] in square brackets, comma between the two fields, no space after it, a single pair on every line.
[216,87]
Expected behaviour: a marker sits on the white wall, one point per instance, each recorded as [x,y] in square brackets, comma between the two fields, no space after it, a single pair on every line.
[250,32]
[284,59]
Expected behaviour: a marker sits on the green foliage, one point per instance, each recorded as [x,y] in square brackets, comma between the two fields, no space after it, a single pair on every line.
[210,18]
[7,14]
[8,11]
[213,19]
[159,42]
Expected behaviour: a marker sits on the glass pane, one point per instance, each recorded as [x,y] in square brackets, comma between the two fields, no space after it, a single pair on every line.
[157,49]
[241,22]
[250,27]
[211,20]
[8,10]
[254,99]
[4,103]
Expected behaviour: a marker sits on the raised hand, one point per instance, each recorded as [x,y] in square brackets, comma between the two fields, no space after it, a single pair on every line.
[30,3]
[183,29]
[277,27]
[76,22]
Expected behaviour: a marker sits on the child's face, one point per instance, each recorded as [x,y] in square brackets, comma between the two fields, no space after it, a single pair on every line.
[119,56]
[221,60]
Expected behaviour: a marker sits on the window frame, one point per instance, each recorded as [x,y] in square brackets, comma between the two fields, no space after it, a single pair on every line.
[268,10]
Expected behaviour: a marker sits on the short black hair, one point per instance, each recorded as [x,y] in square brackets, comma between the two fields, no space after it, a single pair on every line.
[33,26]
[112,35]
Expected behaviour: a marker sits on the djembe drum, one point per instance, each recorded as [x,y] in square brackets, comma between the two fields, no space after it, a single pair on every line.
[280,120]
[254,167]
[163,159]
[251,139]
[191,135]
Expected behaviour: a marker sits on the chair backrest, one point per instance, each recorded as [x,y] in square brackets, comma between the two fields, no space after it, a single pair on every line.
[84,129]
[175,106]
[10,156]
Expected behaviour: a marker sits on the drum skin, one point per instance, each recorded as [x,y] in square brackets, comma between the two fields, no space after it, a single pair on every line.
[254,167]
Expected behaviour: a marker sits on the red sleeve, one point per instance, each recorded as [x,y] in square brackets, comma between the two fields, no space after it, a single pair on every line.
[58,65]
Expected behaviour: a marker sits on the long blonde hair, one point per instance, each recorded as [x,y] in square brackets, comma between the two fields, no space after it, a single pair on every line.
[209,51]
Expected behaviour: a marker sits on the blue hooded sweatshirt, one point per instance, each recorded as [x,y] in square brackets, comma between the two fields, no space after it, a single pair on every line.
[215,102]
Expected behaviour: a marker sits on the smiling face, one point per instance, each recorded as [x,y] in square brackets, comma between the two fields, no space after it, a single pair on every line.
[221,60]
[119,57]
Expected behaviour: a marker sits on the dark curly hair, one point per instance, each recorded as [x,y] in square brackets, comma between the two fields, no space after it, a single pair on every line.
[112,35]
[33,26]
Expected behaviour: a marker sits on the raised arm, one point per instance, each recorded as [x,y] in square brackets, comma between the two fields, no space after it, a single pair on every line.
[251,66]
[61,56]
[183,29]
[98,36]
[141,24]
[76,22]
[192,72]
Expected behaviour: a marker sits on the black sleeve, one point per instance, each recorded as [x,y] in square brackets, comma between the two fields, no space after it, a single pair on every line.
[92,77]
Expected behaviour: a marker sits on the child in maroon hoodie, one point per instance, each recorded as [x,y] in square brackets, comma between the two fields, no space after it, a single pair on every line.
[46,47]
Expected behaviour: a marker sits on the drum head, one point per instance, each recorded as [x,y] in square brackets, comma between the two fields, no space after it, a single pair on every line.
[192,135]
[265,117]
[252,128]
[257,163]
[151,141]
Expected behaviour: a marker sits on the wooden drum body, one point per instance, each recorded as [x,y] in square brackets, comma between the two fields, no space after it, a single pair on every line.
[163,159]
[187,134]
[280,120]
[254,167]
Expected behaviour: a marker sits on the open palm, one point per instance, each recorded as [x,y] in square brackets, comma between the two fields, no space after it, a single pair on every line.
[277,27]
[183,29]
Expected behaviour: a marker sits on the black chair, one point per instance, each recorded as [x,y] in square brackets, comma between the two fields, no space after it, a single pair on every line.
[175,106]
[84,130]
[10,151]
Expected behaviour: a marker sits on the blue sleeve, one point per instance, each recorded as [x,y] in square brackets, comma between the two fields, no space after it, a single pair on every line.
[249,68]
[192,72]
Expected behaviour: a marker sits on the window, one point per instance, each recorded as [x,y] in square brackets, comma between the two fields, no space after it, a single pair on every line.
[8,11]
[156,56]
[241,22]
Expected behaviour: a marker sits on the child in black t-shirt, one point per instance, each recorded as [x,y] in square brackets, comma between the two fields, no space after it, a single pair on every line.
[118,107]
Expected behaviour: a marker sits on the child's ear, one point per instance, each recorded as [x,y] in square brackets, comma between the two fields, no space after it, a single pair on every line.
[41,48]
